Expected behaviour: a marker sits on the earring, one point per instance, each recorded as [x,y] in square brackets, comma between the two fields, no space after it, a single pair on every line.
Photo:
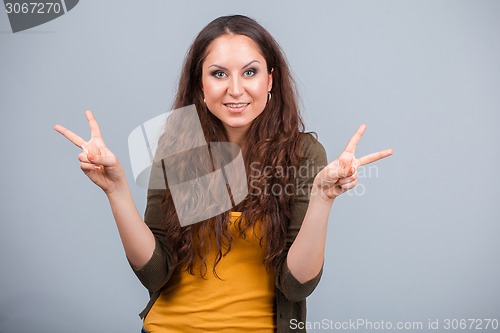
[204,101]
[269,96]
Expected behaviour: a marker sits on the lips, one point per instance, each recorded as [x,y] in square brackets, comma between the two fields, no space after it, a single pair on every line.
[236,107]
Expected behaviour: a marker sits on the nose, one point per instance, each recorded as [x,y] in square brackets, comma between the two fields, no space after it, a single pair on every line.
[236,87]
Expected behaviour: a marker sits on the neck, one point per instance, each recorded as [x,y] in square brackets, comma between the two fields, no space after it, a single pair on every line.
[237,136]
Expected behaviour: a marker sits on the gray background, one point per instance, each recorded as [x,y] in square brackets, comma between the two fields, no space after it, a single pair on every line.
[418,241]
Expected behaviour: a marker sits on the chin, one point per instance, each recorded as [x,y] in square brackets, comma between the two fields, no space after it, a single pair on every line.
[235,124]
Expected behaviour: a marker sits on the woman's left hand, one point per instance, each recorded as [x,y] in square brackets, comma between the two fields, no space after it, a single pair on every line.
[341,174]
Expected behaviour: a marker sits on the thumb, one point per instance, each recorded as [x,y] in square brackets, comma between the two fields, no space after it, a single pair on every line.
[346,167]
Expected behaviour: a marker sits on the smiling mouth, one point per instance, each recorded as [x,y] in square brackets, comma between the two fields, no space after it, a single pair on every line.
[236,105]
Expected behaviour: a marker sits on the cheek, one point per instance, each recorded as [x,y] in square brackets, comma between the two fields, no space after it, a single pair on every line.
[258,89]
[213,90]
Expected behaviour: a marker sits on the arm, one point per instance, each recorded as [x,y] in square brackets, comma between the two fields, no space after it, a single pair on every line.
[161,263]
[286,281]
[306,255]
[143,249]
[137,239]
[144,241]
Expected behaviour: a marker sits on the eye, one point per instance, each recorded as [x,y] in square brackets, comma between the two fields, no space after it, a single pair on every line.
[218,74]
[250,72]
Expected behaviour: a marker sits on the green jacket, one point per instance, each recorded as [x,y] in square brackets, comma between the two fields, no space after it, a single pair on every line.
[290,293]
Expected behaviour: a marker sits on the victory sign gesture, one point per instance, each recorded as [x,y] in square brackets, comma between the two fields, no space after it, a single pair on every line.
[341,174]
[96,160]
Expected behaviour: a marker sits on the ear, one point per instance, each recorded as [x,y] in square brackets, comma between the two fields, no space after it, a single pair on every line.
[270,80]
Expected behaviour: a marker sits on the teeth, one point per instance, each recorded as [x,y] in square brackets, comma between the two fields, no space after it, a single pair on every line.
[235,106]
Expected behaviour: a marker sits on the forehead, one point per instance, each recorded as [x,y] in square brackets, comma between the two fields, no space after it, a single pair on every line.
[233,49]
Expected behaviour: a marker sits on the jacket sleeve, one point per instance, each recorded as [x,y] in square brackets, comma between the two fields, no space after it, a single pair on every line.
[157,271]
[315,160]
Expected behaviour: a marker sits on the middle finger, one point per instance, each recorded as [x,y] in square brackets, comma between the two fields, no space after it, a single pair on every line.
[374,157]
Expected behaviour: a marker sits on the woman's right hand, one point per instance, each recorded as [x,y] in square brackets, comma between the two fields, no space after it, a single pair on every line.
[97,161]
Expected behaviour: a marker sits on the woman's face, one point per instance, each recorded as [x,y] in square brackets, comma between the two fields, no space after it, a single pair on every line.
[235,82]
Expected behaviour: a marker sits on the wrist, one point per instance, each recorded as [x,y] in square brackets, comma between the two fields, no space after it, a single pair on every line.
[118,190]
[318,194]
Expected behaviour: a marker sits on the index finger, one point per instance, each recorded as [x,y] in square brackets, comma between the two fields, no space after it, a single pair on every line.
[94,127]
[75,139]
[351,146]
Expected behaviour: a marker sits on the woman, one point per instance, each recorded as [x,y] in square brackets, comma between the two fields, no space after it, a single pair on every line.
[250,268]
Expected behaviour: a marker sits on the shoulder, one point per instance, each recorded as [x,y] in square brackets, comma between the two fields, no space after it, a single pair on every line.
[311,149]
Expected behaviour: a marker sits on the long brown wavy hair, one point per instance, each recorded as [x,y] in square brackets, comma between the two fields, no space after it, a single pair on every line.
[273,138]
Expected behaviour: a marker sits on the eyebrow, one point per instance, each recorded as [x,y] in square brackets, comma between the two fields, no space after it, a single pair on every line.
[224,68]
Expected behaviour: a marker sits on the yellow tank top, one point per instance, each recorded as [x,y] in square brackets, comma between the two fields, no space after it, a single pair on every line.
[243,301]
